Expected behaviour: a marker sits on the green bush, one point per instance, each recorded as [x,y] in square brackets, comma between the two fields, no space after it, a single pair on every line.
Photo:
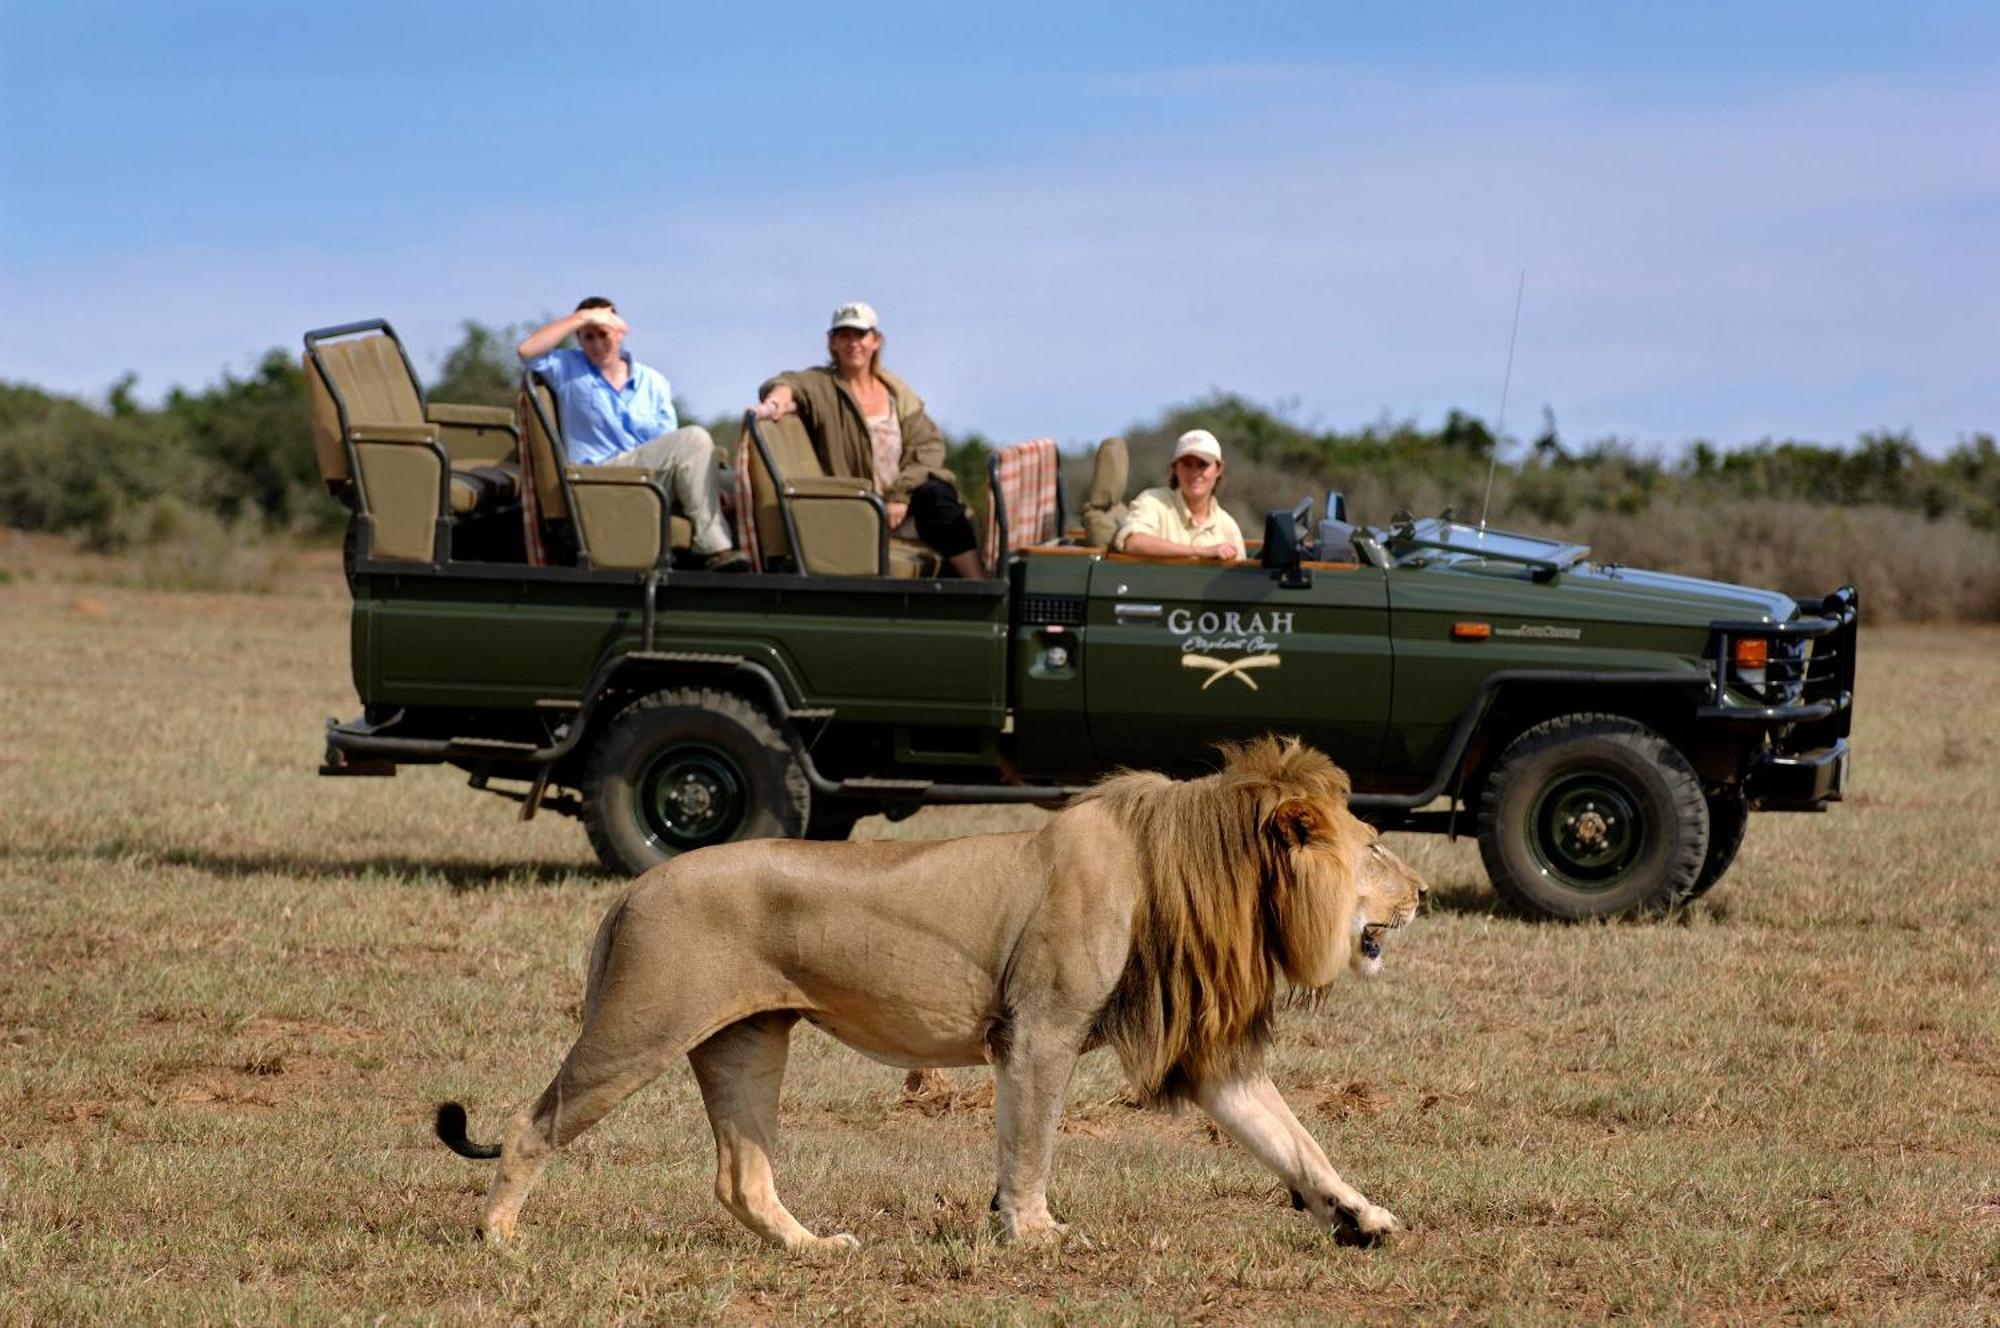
[67,467]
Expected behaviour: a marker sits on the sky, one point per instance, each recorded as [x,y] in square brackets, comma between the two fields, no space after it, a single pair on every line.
[1724,221]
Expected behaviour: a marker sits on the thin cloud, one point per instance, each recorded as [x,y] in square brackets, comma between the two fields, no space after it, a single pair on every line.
[1808,263]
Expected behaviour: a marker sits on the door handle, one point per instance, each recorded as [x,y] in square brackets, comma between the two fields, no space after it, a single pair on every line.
[1141,611]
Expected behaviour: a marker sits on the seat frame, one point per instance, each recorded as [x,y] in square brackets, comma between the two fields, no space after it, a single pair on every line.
[551,429]
[427,435]
[777,478]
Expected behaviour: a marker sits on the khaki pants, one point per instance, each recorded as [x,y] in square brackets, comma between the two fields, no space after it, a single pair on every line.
[690,468]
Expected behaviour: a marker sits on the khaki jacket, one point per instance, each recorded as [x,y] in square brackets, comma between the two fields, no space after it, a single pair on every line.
[840,432]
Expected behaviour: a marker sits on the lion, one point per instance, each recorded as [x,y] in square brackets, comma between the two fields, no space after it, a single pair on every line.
[1152,916]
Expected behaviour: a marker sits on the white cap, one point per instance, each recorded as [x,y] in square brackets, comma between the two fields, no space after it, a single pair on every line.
[857,315]
[1198,442]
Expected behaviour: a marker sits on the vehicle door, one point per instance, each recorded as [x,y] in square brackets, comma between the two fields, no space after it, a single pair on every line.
[1180,654]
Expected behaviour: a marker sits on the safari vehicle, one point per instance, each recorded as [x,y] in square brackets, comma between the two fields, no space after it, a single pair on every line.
[1604,731]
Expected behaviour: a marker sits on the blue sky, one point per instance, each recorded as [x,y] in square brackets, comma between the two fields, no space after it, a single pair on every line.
[1735,221]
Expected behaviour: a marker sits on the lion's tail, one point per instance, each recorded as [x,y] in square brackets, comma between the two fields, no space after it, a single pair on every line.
[451,1129]
[451,1115]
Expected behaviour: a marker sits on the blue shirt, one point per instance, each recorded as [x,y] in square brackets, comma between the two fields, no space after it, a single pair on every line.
[599,421]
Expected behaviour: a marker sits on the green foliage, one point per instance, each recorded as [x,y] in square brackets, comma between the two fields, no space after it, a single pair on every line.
[967,457]
[481,370]
[256,443]
[1554,484]
[65,466]
[239,456]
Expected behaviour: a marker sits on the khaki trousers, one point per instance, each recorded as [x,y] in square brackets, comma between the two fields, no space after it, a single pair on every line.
[690,468]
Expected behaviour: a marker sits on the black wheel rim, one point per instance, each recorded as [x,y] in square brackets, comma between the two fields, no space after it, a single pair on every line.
[1587,831]
[691,795]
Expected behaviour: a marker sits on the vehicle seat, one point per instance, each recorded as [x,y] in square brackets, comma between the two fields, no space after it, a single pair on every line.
[798,517]
[1024,497]
[1104,505]
[617,516]
[418,463]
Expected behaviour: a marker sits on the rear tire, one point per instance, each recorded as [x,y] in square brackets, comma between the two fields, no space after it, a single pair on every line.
[685,768]
[1593,816]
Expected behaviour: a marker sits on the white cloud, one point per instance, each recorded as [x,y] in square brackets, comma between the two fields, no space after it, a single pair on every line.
[1808,264]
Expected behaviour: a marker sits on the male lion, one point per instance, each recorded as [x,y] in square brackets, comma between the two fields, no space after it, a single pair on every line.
[1150,915]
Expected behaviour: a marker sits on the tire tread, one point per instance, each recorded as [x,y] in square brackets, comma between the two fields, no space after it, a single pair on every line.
[1682,879]
[747,714]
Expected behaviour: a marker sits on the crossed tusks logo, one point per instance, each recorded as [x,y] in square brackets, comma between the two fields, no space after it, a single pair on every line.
[1229,629]
[1239,669]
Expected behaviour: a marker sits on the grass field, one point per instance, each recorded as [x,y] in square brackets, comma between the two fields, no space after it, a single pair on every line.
[231,992]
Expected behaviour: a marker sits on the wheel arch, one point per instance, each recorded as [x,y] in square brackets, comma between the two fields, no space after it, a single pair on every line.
[730,762]
[1513,704]
[625,678]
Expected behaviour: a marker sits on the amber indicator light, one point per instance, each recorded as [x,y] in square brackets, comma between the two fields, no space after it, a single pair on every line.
[1751,652]
[1471,631]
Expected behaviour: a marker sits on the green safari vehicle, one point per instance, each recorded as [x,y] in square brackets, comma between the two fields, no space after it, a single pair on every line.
[1604,731]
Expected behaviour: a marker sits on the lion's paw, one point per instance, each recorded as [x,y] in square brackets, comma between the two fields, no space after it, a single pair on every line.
[1367,1225]
[1043,1231]
[496,1233]
[840,1243]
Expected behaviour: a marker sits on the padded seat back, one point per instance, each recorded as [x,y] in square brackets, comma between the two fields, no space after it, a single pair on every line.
[367,411]
[825,525]
[1104,505]
[375,384]
[541,439]
[790,451]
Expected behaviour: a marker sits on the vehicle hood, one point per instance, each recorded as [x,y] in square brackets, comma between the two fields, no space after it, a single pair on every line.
[1713,599]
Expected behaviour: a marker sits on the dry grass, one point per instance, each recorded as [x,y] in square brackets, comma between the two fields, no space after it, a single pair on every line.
[230,993]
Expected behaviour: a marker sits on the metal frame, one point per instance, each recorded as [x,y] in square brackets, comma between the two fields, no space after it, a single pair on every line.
[1839,620]
[360,747]
[1557,560]
[785,506]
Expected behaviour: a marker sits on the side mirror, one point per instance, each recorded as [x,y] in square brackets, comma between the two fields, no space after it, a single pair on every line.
[1286,545]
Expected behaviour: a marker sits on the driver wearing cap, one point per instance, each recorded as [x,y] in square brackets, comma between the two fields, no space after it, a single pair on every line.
[1184,520]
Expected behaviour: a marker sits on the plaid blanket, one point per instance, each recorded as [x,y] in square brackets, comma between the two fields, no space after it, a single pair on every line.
[746,504]
[1023,485]
[531,504]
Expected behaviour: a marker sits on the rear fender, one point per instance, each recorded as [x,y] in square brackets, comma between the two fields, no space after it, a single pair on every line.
[627,677]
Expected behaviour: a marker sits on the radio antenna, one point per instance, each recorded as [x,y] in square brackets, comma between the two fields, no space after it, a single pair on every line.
[1507,381]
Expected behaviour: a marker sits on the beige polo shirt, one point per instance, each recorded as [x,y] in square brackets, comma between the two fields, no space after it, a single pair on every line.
[1164,513]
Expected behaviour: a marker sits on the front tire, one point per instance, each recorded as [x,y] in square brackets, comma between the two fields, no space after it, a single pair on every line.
[685,768]
[1728,819]
[1593,816]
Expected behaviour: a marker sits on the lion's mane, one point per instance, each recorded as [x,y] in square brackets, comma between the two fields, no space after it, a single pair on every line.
[1246,875]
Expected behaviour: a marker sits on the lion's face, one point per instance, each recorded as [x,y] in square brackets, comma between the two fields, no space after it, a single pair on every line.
[1339,893]
[1388,892]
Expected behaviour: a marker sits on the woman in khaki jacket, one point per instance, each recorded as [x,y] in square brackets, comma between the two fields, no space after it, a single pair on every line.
[867,424]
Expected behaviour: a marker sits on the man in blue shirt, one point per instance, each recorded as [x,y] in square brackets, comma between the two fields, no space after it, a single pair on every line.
[616,411]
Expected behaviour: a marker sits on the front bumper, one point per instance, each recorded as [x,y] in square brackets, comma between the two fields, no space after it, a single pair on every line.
[1798,781]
